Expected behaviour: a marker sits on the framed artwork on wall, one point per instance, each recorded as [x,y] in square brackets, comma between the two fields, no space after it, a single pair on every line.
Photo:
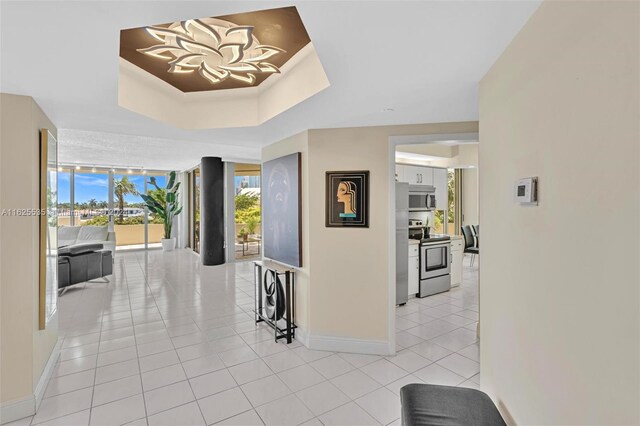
[48,262]
[347,199]
[281,210]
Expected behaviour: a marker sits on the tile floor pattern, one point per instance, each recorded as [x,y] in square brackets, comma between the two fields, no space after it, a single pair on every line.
[169,342]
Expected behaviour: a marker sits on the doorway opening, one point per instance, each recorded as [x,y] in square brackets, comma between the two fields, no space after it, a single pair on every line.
[247,213]
[432,165]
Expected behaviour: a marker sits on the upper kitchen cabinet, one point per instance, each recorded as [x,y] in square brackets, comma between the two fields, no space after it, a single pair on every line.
[441,182]
[414,175]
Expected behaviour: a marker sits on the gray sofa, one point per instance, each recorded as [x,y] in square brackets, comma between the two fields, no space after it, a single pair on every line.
[88,234]
[80,263]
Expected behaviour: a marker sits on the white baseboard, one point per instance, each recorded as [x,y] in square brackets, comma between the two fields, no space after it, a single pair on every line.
[343,344]
[302,336]
[17,409]
[25,407]
[41,387]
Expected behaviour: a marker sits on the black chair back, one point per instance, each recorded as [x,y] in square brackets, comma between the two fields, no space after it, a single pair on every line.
[468,236]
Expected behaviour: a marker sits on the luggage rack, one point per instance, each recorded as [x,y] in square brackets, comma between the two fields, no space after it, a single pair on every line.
[276,308]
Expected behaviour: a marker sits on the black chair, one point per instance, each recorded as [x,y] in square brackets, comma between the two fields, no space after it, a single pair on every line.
[469,246]
[447,406]
[476,234]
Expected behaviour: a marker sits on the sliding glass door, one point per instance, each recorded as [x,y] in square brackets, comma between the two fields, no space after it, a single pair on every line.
[248,230]
[194,209]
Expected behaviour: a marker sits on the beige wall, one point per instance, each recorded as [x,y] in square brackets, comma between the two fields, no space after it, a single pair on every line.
[559,301]
[350,266]
[470,196]
[345,278]
[24,350]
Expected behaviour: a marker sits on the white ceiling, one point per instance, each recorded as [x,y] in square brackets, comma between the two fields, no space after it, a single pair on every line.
[423,59]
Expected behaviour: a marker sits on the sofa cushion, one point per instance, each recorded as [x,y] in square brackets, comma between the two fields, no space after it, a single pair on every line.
[80,249]
[67,235]
[92,233]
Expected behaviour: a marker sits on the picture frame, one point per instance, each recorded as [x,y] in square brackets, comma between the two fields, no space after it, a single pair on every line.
[347,199]
[48,228]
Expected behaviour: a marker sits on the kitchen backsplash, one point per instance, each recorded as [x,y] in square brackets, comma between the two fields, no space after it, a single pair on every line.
[422,216]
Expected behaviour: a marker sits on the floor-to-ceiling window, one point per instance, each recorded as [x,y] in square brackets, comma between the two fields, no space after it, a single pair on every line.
[84,198]
[65,217]
[248,241]
[156,225]
[130,213]
[90,196]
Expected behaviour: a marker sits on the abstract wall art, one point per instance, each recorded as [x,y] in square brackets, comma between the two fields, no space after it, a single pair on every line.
[281,210]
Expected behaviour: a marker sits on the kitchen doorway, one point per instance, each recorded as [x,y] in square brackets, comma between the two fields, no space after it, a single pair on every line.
[432,158]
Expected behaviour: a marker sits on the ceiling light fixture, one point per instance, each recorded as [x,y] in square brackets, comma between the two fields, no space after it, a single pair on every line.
[77,167]
[216,48]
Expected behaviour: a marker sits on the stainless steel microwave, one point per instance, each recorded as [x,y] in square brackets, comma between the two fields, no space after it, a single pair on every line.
[422,198]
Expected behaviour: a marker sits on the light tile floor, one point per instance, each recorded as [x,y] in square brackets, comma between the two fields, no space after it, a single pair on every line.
[169,342]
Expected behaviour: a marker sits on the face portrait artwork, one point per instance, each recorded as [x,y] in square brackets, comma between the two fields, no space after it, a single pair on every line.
[279,190]
[347,201]
[281,213]
[347,195]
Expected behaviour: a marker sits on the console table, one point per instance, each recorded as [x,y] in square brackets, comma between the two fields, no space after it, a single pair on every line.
[274,305]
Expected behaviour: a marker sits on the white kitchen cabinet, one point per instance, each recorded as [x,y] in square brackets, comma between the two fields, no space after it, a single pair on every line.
[414,270]
[414,175]
[441,183]
[457,254]
[426,175]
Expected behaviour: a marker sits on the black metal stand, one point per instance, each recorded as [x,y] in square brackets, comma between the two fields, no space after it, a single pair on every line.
[289,330]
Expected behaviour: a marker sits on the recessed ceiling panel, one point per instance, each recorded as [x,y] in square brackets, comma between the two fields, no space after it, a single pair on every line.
[215,53]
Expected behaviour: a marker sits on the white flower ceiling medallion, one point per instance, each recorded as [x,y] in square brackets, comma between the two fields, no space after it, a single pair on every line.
[217,49]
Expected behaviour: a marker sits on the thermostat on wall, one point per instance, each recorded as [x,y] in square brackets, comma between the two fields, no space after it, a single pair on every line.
[526,190]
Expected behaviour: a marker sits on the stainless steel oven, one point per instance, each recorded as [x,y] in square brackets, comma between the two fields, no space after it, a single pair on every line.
[435,267]
[422,198]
